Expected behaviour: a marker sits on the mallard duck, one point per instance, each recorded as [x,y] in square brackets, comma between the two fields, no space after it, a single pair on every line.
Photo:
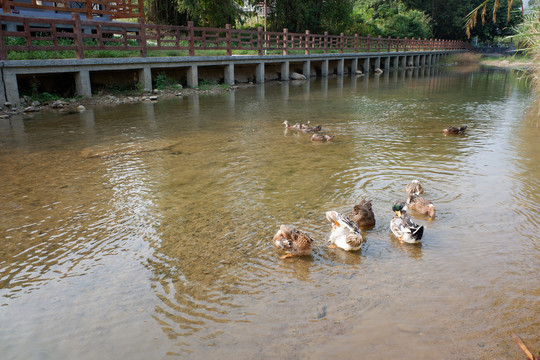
[311,129]
[414,187]
[293,242]
[403,227]
[454,130]
[362,214]
[421,205]
[345,233]
[291,127]
[320,137]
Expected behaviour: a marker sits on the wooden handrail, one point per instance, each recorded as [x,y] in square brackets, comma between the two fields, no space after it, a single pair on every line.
[50,34]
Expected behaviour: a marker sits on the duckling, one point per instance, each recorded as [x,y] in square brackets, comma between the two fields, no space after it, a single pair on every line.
[414,187]
[293,242]
[452,130]
[319,137]
[362,214]
[421,205]
[345,233]
[291,127]
[403,227]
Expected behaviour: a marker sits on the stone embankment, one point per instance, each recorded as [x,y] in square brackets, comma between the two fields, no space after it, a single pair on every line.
[74,105]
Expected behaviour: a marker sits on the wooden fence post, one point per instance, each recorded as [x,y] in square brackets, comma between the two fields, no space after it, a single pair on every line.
[259,40]
[389,43]
[306,44]
[355,43]
[3,50]
[88,8]
[142,37]
[341,42]
[228,39]
[398,41]
[368,44]
[325,42]
[77,30]
[191,35]
[379,43]
[405,44]
[285,40]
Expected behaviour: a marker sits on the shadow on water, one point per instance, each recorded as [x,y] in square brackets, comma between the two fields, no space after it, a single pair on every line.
[194,189]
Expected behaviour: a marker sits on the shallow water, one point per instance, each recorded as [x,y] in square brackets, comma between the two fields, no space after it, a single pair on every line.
[144,231]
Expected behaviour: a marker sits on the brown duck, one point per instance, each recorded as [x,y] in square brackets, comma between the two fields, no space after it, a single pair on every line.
[294,242]
[362,214]
[421,205]
[452,130]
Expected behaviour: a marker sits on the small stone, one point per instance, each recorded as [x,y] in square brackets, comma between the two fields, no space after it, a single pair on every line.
[30,109]
[81,108]
[298,76]
[7,104]
[153,98]
[4,116]
[36,103]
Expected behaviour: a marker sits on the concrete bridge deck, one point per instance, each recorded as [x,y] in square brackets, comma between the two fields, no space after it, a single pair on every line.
[227,69]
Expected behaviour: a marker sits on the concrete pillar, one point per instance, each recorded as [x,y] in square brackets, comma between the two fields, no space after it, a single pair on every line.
[387,63]
[82,83]
[396,62]
[354,66]
[259,73]
[416,60]
[228,75]
[12,88]
[404,61]
[324,68]
[423,60]
[306,68]
[429,60]
[366,66]
[377,63]
[3,98]
[193,76]
[285,71]
[145,78]
[340,66]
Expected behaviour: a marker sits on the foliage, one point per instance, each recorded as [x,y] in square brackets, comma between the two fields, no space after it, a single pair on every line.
[499,25]
[380,17]
[201,12]
[316,16]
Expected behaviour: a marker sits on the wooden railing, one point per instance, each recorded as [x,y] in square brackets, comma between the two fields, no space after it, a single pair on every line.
[117,9]
[84,35]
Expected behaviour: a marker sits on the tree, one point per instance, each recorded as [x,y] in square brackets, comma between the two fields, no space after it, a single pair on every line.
[316,16]
[390,18]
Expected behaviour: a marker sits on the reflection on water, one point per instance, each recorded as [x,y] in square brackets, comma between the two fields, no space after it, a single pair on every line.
[144,231]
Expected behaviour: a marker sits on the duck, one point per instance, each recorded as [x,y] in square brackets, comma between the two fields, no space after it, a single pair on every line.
[362,214]
[403,227]
[294,242]
[291,127]
[345,233]
[311,129]
[421,205]
[378,71]
[452,130]
[320,137]
[414,187]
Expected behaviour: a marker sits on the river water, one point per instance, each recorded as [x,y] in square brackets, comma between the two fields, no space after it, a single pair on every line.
[144,231]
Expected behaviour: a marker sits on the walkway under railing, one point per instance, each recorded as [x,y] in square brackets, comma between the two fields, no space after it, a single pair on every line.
[80,36]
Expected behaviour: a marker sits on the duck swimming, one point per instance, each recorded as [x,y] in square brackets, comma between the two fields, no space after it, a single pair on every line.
[403,227]
[288,126]
[414,187]
[320,137]
[362,214]
[293,242]
[421,205]
[452,130]
[345,233]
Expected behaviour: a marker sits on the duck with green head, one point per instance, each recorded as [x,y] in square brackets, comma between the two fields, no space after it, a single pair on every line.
[403,227]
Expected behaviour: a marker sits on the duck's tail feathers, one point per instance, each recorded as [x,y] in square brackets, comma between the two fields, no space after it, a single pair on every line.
[417,234]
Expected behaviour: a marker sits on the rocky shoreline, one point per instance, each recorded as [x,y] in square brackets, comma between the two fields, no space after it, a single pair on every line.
[73,105]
